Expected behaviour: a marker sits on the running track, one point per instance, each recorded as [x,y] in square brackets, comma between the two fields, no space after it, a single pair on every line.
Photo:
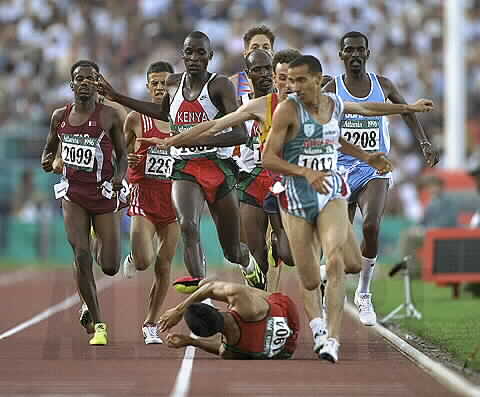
[52,357]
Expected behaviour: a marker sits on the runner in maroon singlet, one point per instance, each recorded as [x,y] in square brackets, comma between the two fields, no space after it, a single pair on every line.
[91,188]
[151,205]
[256,325]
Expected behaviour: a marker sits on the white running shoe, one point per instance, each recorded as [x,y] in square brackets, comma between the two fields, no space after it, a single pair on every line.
[329,350]
[366,312]
[150,334]
[320,338]
[128,267]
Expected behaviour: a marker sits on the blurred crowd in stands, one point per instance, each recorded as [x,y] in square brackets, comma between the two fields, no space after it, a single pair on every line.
[40,39]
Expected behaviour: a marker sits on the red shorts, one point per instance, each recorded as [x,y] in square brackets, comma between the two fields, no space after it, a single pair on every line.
[152,202]
[89,197]
[254,187]
[216,176]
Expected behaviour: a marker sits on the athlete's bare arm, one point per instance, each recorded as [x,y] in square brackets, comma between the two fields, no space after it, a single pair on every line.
[241,298]
[376,160]
[223,96]
[157,111]
[392,93]
[253,110]
[385,109]
[111,118]
[284,128]
[330,87]
[53,141]
[132,130]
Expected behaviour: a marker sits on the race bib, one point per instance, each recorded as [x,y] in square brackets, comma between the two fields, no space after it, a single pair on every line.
[318,162]
[79,152]
[276,335]
[192,151]
[362,133]
[197,150]
[159,163]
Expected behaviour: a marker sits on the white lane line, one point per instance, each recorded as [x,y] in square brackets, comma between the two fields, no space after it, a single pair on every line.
[7,278]
[442,374]
[64,305]
[183,381]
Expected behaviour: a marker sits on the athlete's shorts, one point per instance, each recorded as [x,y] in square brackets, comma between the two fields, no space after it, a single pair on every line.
[359,175]
[255,186]
[89,196]
[301,199]
[154,202]
[270,204]
[217,177]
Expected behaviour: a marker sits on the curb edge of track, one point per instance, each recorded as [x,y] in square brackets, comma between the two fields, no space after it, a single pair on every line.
[442,374]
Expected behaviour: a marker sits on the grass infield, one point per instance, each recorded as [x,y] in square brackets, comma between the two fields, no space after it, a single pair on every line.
[451,324]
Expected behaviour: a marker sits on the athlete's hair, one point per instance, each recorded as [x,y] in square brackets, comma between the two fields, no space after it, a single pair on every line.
[285,56]
[256,30]
[159,67]
[314,65]
[258,50]
[198,35]
[352,35]
[83,62]
[204,320]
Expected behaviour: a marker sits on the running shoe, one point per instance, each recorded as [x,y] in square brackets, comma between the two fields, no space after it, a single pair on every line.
[187,284]
[150,334]
[100,336]
[366,312]
[329,351]
[86,319]
[255,278]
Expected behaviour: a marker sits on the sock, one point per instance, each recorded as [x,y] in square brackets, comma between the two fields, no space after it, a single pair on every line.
[251,263]
[316,325]
[323,273]
[366,274]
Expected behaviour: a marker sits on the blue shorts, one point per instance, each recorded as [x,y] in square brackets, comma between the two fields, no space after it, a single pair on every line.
[301,199]
[358,175]
[270,204]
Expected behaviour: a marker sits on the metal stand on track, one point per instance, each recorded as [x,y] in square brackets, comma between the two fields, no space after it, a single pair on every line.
[406,309]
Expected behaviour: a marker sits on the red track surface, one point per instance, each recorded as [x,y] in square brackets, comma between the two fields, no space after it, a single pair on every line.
[53,358]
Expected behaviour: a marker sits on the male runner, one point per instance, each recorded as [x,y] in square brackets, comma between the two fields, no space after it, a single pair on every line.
[89,134]
[302,146]
[256,325]
[204,172]
[369,189]
[151,205]
[257,37]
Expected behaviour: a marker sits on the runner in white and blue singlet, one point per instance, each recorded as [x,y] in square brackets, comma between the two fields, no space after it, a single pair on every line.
[369,190]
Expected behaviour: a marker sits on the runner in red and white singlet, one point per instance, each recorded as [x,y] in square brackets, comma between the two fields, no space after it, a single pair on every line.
[91,190]
[204,172]
[151,205]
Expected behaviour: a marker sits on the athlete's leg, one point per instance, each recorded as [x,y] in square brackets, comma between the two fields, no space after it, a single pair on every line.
[142,232]
[107,231]
[255,223]
[77,226]
[301,235]
[168,237]
[371,201]
[332,229]
[188,200]
[280,241]
[351,252]
[225,213]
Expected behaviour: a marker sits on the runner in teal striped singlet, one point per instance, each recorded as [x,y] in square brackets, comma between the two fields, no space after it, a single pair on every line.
[303,146]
